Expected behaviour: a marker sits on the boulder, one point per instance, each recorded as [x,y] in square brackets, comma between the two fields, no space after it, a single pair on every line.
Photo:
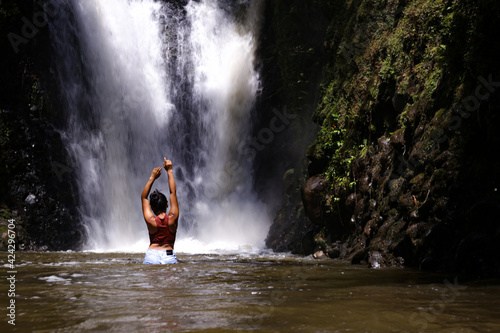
[313,196]
[319,255]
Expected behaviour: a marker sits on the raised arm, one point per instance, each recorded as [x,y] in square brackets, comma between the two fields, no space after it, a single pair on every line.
[146,209]
[174,206]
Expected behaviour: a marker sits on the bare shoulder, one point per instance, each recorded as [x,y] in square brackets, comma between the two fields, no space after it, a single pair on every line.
[172,218]
[150,220]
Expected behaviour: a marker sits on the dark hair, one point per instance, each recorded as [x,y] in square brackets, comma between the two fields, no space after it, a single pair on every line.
[158,202]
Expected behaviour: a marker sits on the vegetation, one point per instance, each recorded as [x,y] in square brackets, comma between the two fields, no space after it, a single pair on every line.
[395,142]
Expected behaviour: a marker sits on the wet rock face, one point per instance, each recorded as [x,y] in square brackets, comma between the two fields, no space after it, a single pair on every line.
[39,195]
[313,197]
[36,187]
[410,142]
[291,231]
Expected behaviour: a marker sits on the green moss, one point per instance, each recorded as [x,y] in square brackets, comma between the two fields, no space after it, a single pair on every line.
[288,175]
[300,213]
[439,176]
[5,214]
[393,213]
[417,181]
[396,187]
[388,43]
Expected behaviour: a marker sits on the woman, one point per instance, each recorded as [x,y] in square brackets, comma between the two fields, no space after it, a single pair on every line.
[162,227]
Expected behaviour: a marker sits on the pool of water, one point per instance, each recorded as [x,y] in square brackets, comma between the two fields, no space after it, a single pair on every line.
[102,292]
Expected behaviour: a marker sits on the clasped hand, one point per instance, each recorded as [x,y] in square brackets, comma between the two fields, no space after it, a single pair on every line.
[167,164]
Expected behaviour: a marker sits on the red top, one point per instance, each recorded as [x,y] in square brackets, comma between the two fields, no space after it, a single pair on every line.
[163,235]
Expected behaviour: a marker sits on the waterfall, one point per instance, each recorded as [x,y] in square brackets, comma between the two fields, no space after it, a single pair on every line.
[146,79]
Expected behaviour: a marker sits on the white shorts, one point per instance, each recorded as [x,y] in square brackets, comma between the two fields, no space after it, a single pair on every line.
[159,257]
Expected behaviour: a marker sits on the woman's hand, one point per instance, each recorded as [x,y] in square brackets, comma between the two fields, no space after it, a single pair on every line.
[156,173]
[167,164]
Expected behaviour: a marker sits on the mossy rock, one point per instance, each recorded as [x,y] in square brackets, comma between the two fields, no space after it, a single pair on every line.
[396,187]
[288,176]
[417,182]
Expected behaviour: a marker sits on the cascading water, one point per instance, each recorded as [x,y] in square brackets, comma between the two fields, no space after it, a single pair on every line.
[145,79]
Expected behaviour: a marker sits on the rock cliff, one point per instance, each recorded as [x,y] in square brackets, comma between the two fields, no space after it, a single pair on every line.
[36,187]
[402,171]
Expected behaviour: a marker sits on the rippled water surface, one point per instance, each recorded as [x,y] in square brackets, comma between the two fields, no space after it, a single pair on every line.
[98,292]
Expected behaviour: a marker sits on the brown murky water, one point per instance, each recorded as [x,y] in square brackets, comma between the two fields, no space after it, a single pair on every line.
[102,292]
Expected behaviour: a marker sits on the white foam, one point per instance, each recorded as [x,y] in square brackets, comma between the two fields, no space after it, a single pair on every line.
[195,246]
[55,279]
